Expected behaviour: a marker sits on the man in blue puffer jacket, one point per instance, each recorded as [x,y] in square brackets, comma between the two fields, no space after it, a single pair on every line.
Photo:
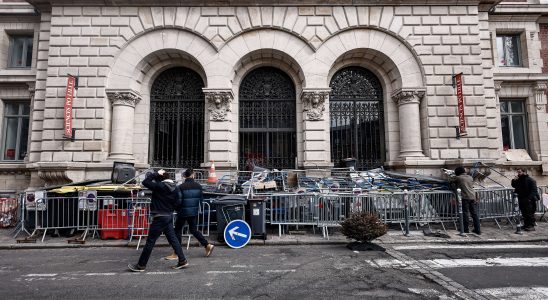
[190,196]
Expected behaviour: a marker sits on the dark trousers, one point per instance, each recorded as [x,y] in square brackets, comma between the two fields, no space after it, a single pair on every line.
[160,224]
[180,222]
[470,205]
[527,208]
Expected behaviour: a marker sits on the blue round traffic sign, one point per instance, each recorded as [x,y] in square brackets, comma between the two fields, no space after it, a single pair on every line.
[237,234]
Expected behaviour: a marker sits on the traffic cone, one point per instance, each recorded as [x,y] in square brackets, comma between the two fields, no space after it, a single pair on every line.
[212,178]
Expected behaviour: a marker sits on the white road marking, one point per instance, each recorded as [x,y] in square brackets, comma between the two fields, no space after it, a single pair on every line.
[223,272]
[161,273]
[280,271]
[426,247]
[100,274]
[40,275]
[465,262]
[502,293]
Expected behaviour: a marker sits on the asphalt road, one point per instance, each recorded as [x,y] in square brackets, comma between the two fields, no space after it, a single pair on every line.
[516,271]
[281,272]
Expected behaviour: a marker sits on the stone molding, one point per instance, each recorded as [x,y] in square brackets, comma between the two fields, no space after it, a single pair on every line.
[406,96]
[125,98]
[314,103]
[219,102]
[540,92]
[54,177]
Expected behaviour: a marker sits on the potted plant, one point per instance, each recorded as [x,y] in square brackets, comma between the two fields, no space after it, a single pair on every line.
[363,227]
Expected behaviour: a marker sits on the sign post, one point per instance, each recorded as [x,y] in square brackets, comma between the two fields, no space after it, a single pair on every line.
[67,112]
[237,234]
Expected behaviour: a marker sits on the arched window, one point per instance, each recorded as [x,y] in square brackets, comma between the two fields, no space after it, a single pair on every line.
[356,116]
[267,107]
[177,119]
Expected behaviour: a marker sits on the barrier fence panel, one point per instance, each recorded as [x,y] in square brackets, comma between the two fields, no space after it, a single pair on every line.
[495,203]
[292,209]
[542,205]
[8,212]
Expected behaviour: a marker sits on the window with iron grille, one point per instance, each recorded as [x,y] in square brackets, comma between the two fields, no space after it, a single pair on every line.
[267,108]
[357,118]
[513,124]
[15,130]
[20,54]
[177,106]
[508,49]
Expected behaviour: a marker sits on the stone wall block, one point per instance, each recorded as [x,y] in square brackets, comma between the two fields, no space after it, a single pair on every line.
[62,156]
[375,15]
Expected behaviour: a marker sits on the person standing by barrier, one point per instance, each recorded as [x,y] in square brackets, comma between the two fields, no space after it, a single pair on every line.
[465,182]
[190,195]
[162,205]
[526,188]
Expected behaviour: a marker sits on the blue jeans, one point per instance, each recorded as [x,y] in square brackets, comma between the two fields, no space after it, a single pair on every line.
[160,224]
[180,222]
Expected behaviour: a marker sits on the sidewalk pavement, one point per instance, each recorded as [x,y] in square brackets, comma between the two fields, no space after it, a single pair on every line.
[490,234]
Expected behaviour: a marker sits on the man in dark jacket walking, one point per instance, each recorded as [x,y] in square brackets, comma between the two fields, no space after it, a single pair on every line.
[161,209]
[465,183]
[191,196]
[526,188]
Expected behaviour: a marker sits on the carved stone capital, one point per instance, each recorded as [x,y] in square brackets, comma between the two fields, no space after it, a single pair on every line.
[218,103]
[406,96]
[54,177]
[540,94]
[125,98]
[314,103]
[498,86]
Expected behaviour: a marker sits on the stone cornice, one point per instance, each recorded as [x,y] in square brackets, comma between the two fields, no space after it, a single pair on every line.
[219,102]
[408,95]
[123,97]
[49,3]
[314,103]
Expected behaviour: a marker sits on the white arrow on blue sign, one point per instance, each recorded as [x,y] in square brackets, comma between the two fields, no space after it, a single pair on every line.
[237,234]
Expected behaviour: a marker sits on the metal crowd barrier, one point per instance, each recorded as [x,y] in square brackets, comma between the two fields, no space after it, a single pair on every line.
[118,218]
[420,207]
[542,205]
[8,212]
[496,203]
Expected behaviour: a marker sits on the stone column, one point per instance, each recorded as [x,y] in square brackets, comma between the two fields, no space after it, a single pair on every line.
[32,90]
[540,115]
[123,115]
[408,101]
[316,128]
[219,128]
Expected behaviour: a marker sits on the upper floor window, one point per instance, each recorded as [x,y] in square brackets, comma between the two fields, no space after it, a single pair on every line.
[15,131]
[508,47]
[20,55]
[513,124]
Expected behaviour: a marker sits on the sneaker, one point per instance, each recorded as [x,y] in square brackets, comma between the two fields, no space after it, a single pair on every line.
[171,257]
[476,232]
[135,268]
[529,229]
[180,265]
[209,249]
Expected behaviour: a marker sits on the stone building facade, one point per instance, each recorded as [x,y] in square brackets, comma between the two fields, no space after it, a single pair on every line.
[140,67]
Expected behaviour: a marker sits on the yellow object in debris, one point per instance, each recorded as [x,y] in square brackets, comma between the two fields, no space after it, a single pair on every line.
[113,188]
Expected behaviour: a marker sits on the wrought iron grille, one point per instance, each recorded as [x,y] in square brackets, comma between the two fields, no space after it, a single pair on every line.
[357,126]
[177,119]
[267,112]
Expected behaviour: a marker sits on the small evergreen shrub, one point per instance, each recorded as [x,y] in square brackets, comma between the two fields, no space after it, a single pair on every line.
[363,227]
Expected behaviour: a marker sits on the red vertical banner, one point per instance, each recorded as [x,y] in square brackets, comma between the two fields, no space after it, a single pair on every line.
[460,103]
[69,97]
